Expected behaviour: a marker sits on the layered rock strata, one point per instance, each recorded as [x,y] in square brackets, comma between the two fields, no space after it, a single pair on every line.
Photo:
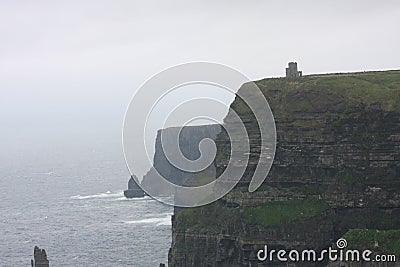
[337,160]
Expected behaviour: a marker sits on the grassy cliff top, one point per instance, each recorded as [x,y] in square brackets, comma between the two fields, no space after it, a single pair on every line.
[380,241]
[333,92]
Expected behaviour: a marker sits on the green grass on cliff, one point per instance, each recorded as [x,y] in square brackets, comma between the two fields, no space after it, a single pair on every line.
[386,241]
[210,218]
[382,87]
[333,92]
[283,212]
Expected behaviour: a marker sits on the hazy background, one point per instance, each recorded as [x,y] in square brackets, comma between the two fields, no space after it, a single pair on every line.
[69,68]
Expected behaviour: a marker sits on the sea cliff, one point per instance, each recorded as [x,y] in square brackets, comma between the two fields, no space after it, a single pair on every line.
[336,168]
[189,139]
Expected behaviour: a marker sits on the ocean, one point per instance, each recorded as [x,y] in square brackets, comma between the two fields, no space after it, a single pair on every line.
[68,199]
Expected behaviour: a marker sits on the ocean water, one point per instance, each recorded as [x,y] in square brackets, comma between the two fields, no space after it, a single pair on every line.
[69,200]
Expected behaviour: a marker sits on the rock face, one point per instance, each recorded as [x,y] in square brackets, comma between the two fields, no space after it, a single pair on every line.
[189,139]
[40,258]
[337,159]
[134,190]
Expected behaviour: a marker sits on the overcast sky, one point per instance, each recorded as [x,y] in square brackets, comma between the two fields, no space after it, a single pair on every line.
[74,65]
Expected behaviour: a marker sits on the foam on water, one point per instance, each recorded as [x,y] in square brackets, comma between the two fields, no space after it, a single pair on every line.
[134,199]
[107,194]
[159,221]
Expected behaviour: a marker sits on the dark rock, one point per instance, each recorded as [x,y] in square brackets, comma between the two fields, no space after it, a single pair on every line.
[189,139]
[134,190]
[39,258]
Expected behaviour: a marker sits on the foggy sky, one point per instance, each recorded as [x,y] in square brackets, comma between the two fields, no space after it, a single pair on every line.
[72,66]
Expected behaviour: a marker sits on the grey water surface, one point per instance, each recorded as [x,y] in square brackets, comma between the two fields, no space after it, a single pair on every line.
[69,201]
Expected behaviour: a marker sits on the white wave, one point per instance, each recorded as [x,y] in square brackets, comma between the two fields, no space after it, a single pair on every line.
[134,198]
[166,221]
[107,194]
[159,221]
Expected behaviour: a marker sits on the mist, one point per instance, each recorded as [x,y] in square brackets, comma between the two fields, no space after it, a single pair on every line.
[68,69]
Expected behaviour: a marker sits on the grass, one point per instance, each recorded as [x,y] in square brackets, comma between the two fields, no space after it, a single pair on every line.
[331,94]
[214,217]
[334,91]
[388,241]
[210,218]
[283,212]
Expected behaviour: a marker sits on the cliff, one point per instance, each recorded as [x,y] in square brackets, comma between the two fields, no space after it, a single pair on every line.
[189,139]
[336,168]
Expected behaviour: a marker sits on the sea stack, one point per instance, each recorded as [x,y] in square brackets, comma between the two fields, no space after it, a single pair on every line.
[134,190]
[39,258]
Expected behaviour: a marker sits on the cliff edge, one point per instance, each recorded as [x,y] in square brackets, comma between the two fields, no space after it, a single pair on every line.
[336,168]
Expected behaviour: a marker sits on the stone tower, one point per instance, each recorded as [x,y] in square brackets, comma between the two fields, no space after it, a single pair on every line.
[292,72]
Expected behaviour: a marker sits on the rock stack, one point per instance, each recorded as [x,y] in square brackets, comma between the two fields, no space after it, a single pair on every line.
[134,190]
[39,258]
